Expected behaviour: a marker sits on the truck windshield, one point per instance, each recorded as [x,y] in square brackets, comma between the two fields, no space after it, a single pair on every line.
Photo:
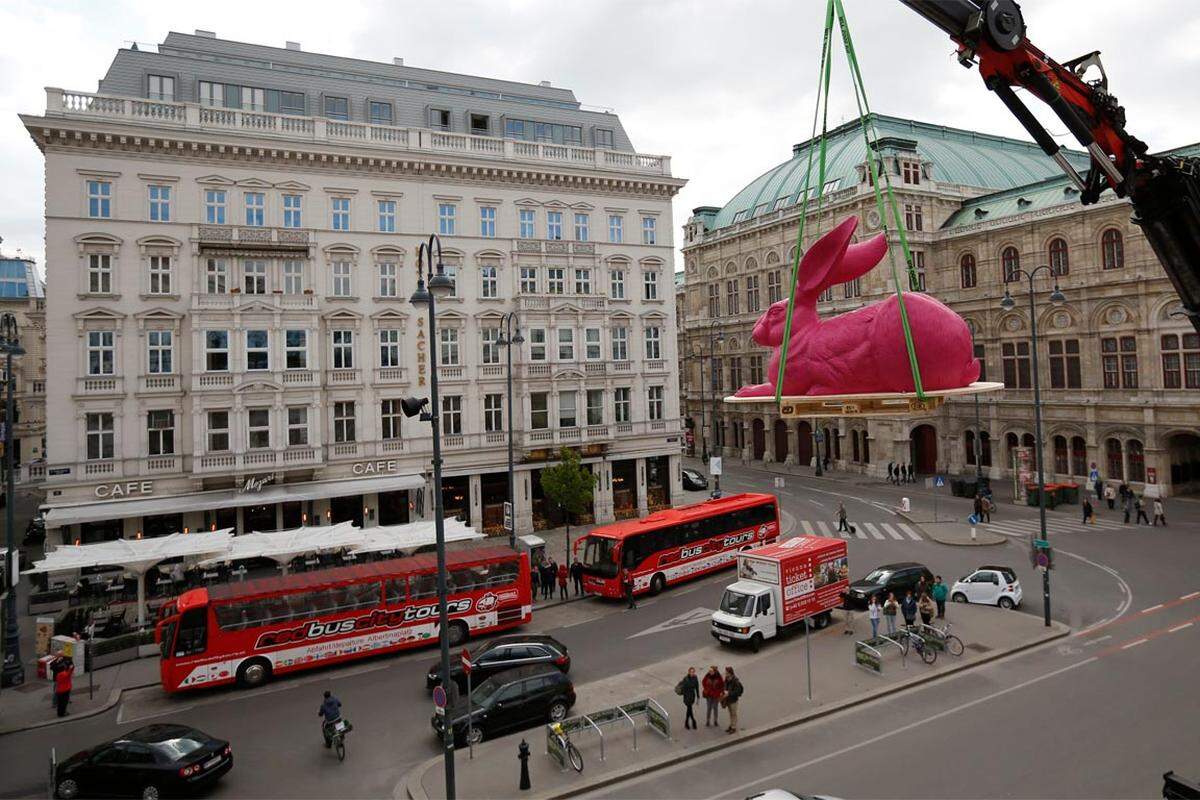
[598,556]
[737,604]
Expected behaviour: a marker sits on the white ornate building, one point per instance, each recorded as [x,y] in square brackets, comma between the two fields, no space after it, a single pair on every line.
[231,238]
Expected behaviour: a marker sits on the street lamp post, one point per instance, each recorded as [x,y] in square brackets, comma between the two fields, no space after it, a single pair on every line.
[714,336]
[1056,298]
[508,339]
[14,671]
[703,409]
[978,447]
[816,435]
[439,285]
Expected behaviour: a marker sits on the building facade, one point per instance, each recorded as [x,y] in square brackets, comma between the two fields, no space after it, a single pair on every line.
[1120,369]
[22,295]
[232,235]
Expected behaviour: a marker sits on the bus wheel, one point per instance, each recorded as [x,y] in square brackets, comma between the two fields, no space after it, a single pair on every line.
[254,672]
[657,583]
[458,633]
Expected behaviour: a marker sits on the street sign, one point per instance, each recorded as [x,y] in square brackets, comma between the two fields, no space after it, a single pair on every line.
[439,700]
[820,437]
[714,466]
[508,516]
[1041,543]
[466,661]
[1043,560]
[778,482]
[939,481]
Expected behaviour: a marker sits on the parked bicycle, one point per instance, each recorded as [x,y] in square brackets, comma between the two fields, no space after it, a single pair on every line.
[917,643]
[564,738]
[954,645]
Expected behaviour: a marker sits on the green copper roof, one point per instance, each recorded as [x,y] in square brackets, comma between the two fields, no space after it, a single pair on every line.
[958,156]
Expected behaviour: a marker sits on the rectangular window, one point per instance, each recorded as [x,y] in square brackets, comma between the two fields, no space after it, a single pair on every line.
[491,345]
[99,436]
[99,273]
[1065,372]
[292,217]
[295,346]
[595,406]
[621,404]
[448,356]
[101,353]
[479,124]
[566,344]
[654,403]
[591,343]
[582,222]
[160,275]
[554,225]
[583,281]
[389,348]
[447,214]
[650,284]
[387,278]
[756,369]
[735,372]
[340,207]
[214,206]
[980,353]
[216,276]
[616,228]
[1181,364]
[649,230]
[160,203]
[256,205]
[556,280]
[258,350]
[539,411]
[567,414]
[258,428]
[380,113]
[293,277]
[390,414]
[218,431]
[774,287]
[452,415]
[911,172]
[341,279]
[337,108]
[525,218]
[387,216]
[913,220]
[653,343]
[487,222]
[160,430]
[714,300]
[1015,360]
[343,349]
[529,283]
[297,426]
[732,298]
[159,352]
[216,351]
[537,344]
[439,119]
[489,281]
[620,344]
[603,137]
[493,413]
[850,289]
[160,87]
[1119,358]
[254,276]
[99,195]
[616,284]
[212,94]
[343,421]
[752,299]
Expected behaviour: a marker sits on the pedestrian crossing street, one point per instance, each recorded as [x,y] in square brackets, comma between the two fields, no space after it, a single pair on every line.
[864,530]
[1061,524]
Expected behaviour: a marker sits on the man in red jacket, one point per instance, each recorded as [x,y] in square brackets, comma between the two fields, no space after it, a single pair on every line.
[712,687]
[62,688]
[562,581]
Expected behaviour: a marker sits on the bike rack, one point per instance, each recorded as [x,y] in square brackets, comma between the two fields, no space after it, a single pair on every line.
[597,719]
[589,721]
[631,725]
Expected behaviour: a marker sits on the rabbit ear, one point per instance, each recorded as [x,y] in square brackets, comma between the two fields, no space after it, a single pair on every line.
[860,259]
[819,264]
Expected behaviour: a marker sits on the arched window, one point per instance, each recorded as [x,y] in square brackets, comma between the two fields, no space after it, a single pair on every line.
[1027,440]
[866,448]
[1112,249]
[1137,460]
[854,446]
[837,445]
[1011,443]
[1010,261]
[1116,466]
[1059,260]
[969,444]
[985,449]
[1079,465]
[966,271]
[1061,459]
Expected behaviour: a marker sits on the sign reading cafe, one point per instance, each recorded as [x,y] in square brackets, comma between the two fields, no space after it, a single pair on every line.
[107,490]
[375,467]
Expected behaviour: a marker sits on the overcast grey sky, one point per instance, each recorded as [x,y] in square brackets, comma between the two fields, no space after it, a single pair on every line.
[725,88]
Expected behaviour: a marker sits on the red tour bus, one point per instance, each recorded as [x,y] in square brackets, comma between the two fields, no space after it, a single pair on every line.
[247,632]
[676,544]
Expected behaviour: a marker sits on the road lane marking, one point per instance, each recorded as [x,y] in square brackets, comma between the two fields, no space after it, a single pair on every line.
[911,533]
[895,534]
[1098,641]
[808,528]
[871,529]
[1151,608]
[687,618]
[825,530]
[1191,596]
[1134,643]
[1148,637]
[740,790]
[1180,627]
[816,502]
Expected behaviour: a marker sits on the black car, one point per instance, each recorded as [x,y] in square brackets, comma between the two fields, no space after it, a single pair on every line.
[693,481]
[885,580]
[501,653]
[510,700]
[150,762]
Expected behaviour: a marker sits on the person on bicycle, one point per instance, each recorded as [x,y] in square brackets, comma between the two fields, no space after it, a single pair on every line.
[331,711]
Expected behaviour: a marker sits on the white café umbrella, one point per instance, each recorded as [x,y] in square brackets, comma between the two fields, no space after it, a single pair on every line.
[283,546]
[412,535]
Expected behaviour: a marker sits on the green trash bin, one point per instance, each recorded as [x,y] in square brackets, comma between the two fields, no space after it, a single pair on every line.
[1069,493]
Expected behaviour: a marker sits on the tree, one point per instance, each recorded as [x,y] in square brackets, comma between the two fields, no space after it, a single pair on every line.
[569,486]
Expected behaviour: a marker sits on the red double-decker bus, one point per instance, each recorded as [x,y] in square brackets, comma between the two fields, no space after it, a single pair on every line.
[676,544]
[248,632]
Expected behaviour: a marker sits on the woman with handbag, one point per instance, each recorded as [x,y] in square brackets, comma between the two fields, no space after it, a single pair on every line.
[689,689]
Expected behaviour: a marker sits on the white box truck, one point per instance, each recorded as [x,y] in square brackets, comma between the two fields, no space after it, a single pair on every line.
[779,586]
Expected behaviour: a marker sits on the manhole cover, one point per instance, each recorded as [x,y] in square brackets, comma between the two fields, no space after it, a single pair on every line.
[978,648]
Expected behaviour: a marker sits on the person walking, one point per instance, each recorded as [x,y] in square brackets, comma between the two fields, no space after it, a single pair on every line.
[562,582]
[1158,513]
[939,596]
[891,471]
[873,611]
[978,508]
[733,693]
[988,506]
[890,607]
[62,687]
[1128,507]
[548,571]
[926,607]
[577,576]
[1139,503]
[1087,510]
[841,512]
[1110,495]
[689,689]
[627,583]
[908,607]
[535,581]
[713,687]
[1094,480]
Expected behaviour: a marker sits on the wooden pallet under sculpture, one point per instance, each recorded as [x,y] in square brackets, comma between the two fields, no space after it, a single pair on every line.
[866,405]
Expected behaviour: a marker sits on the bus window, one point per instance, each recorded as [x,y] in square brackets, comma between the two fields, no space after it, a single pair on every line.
[193,633]
[394,591]
[366,595]
[420,586]
[168,638]
[461,580]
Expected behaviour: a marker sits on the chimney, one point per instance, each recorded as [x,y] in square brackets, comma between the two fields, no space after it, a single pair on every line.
[206,34]
[543,83]
[292,45]
[399,62]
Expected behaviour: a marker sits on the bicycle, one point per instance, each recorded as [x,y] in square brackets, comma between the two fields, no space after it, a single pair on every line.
[573,754]
[337,731]
[954,645]
[927,654]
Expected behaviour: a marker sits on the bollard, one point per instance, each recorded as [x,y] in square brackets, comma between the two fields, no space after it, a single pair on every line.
[523,756]
[972,533]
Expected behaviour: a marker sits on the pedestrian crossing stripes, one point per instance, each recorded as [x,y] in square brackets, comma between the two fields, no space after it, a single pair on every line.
[881,531]
[1025,527]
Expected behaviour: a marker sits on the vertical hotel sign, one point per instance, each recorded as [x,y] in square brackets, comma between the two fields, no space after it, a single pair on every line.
[421,352]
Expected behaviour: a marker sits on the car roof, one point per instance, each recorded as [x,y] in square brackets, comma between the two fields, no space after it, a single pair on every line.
[529,671]
[153,734]
[901,565]
[523,638]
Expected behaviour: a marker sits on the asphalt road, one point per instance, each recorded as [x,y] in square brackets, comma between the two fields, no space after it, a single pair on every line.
[278,752]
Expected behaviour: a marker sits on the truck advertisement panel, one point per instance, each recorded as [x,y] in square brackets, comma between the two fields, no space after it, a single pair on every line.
[815,573]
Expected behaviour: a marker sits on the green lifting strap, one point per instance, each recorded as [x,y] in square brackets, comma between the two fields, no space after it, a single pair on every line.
[868,128]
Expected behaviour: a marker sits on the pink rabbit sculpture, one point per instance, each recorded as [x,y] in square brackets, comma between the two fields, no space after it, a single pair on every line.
[862,351]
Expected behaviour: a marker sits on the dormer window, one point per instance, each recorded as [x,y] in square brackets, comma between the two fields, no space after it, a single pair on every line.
[480,124]
[911,172]
[439,119]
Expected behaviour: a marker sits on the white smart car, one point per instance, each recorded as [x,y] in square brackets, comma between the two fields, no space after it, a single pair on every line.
[993,586]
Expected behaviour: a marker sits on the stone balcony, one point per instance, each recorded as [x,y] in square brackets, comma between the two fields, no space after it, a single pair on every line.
[235,300]
[159,384]
[256,460]
[251,237]
[548,301]
[100,386]
[284,128]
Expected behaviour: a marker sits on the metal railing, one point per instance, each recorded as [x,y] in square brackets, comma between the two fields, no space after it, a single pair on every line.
[656,716]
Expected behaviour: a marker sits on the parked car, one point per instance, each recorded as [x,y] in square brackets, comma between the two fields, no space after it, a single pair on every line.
[885,580]
[693,481]
[784,794]
[511,700]
[990,585]
[501,653]
[150,762]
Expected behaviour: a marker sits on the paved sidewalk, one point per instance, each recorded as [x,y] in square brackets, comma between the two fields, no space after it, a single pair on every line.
[29,705]
[775,698]
[959,534]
